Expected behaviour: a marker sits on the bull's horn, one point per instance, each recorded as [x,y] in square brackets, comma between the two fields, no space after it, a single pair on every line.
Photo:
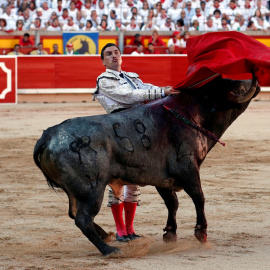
[244,92]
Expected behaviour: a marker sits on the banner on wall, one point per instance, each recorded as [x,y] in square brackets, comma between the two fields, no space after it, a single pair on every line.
[83,42]
[8,80]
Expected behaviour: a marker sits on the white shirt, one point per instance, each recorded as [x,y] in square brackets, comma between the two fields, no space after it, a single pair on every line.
[73,27]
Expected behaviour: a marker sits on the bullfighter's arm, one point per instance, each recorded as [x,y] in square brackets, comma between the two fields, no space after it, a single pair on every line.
[123,93]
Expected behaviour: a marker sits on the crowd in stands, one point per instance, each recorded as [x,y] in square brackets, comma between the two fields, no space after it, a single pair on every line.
[134,15]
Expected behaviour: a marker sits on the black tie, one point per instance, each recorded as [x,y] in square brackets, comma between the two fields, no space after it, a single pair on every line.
[121,75]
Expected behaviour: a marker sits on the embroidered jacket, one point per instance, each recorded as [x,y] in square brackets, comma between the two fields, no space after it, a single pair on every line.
[117,93]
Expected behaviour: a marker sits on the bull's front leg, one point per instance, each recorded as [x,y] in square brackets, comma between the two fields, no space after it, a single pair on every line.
[193,188]
[171,202]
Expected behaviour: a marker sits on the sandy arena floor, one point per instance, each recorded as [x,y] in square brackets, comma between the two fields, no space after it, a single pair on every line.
[36,232]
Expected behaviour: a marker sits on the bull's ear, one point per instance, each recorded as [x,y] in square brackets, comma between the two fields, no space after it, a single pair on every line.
[242,91]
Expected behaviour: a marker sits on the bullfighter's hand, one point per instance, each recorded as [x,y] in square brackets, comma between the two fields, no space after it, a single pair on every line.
[168,90]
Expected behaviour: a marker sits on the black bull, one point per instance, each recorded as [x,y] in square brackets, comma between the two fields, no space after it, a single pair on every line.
[146,145]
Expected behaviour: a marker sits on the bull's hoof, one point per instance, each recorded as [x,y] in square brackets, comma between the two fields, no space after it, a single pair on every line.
[169,237]
[201,233]
[111,250]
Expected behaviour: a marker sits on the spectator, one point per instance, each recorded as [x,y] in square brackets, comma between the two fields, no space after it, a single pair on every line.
[63,19]
[217,18]
[199,17]
[261,24]
[181,4]
[174,11]
[216,6]
[171,49]
[175,40]
[89,26]
[263,9]
[136,40]
[247,11]
[168,26]
[3,24]
[184,18]
[70,50]
[10,18]
[39,50]
[95,19]
[139,50]
[149,26]
[16,50]
[118,26]
[204,9]
[180,26]
[190,12]
[59,9]
[224,25]
[127,8]
[19,25]
[39,14]
[70,26]
[158,9]
[232,10]
[195,26]
[111,19]
[102,9]
[80,21]
[144,11]
[239,24]
[117,7]
[103,26]
[37,25]
[162,18]
[138,18]
[55,49]
[32,8]
[156,40]
[151,49]
[78,4]
[72,11]
[86,9]
[53,16]
[55,26]
[26,19]
[183,41]
[209,26]
[251,26]
[46,11]
[26,42]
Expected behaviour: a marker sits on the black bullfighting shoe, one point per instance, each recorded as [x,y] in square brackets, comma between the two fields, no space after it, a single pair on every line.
[124,238]
[133,236]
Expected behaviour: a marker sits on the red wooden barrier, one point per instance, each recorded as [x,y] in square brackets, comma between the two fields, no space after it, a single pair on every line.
[82,71]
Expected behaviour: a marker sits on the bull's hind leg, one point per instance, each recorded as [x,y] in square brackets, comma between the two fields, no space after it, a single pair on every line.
[194,190]
[171,202]
[88,208]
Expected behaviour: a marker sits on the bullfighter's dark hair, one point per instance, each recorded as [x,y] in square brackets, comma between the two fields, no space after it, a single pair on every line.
[107,46]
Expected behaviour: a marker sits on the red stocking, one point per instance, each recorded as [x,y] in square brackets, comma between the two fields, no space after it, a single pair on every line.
[130,210]
[117,210]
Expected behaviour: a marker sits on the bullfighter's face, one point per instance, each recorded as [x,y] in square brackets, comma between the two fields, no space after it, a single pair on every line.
[112,58]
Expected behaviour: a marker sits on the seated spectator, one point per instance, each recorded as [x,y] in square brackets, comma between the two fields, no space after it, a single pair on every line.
[111,19]
[118,26]
[55,49]
[70,26]
[157,10]
[101,8]
[78,4]
[16,50]
[180,25]
[103,26]
[26,19]
[3,24]
[46,11]
[183,19]
[209,26]
[174,11]
[239,24]
[144,11]
[183,41]
[53,16]
[262,8]
[133,26]
[96,21]
[19,25]
[168,26]
[151,49]
[80,20]
[247,11]
[39,14]
[87,8]
[70,50]
[26,42]
[199,17]
[127,6]
[195,26]
[89,26]
[251,26]
[63,19]
[204,9]
[190,12]
[139,50]
[10,18]
[161,20]
[136,40]
[136,16]
[261,24]
[39,50]
[156,40]
[175,40]
[37,25]
[232,10]
[149,26]
[217,18]
[32,8]
[216,5]
[55,26]
[171,49]
[72,11]
[58,9]
[224,25]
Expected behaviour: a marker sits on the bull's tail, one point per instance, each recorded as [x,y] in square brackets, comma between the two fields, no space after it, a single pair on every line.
[40,146]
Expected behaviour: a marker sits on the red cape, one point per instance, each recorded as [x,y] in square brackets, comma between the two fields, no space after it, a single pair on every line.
[230,54]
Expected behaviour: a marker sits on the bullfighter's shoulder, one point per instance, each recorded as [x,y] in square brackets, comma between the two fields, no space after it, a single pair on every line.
[107,75]
[132,75]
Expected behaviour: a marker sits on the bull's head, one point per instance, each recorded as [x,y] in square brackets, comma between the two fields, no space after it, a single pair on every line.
[243,91]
